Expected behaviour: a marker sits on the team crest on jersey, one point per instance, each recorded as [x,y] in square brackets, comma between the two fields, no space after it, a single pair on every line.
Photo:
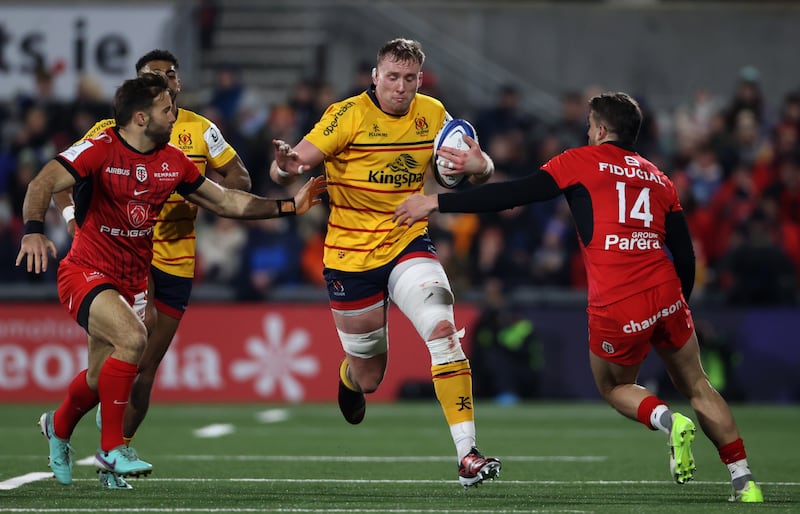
[138,213]
[608,347]
[185,140]
[421,124]
[141,172]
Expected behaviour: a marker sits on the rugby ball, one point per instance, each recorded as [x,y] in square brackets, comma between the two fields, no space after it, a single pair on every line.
[450,135]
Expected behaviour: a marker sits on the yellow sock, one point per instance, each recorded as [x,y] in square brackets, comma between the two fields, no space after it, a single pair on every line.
[453,385]
[344,378]
[127,440]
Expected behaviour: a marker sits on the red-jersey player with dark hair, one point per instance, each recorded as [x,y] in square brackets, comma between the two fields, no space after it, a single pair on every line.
[121,179]
[627,214]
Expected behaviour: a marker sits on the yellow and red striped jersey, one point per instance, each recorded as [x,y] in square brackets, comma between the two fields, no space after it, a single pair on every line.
[174,235]
[373,161]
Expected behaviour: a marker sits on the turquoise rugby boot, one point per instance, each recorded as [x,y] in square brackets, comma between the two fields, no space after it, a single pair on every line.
[60,450]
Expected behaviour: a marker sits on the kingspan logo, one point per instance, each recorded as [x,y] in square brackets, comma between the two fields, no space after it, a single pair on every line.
[399,172]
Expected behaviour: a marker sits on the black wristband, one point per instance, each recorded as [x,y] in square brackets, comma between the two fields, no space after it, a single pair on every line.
[286,207]
[34,227]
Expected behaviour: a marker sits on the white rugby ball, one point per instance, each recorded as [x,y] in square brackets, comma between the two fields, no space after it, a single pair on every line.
[451,135]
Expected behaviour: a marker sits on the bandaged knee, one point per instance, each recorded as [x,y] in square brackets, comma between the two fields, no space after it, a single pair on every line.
[420,289]
[365,345]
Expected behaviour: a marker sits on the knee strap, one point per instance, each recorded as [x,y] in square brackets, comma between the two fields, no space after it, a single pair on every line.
[365,345]
[446,349]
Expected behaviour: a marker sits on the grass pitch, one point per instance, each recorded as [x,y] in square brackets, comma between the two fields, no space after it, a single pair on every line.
[569,457]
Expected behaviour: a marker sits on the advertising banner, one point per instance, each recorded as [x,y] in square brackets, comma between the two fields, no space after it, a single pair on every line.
[96,40]
[221,353]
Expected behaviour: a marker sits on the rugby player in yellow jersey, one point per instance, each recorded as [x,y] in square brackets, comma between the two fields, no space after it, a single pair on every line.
[377,148]
[173,262]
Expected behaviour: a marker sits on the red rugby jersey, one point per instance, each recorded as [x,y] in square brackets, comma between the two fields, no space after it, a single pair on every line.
[118,194]
[622,233]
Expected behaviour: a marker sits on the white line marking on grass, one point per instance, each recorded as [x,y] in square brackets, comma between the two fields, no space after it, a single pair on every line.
[311,511]
[27,478]
[273,416]
[361,458]
[495,483]
[215,430]
[86,461]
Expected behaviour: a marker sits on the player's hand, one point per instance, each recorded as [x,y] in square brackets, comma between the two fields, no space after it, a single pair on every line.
[286,158]
[415,208]
[34,248]
[452,161]
[308,195]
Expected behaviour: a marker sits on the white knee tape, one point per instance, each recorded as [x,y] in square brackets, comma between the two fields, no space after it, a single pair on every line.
[446,349]
[419,287]
[365,345]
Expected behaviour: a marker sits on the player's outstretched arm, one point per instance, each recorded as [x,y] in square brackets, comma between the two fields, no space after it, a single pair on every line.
[536,187]
[231,203]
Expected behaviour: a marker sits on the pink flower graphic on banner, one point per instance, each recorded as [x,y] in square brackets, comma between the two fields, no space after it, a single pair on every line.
[276,361]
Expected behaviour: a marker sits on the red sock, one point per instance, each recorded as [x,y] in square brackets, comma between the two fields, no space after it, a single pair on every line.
[732,452]
[646,408]
[80,400]
[115,383]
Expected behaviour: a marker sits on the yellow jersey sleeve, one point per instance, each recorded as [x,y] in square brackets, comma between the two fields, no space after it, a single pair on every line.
[99,127]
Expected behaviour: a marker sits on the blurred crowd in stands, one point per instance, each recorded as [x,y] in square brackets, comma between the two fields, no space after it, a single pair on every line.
[734,156]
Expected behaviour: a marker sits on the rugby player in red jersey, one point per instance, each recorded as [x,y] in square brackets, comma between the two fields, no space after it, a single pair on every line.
[121,179]
[173,265]
[627,214]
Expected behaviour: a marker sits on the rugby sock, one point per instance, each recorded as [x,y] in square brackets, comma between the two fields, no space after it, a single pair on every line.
[646,408]
[453,385]
[115,383]
[80,400]
[345,378]
[661,418]
[734,456]
[732,452]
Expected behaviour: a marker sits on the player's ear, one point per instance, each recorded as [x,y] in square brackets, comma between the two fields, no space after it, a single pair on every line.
[374,74]
[419,80]
[141,118]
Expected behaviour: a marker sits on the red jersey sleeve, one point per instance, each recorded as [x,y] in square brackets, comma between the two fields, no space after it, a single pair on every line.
[83,158]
